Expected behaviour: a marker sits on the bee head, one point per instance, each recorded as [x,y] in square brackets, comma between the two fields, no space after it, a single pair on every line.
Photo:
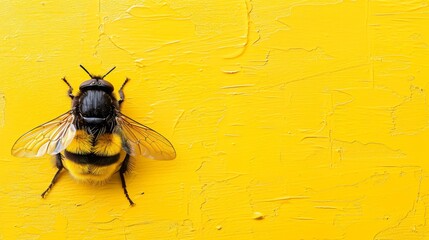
[96,82]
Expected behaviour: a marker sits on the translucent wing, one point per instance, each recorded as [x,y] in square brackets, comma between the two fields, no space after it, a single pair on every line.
[49,138]
[142,140]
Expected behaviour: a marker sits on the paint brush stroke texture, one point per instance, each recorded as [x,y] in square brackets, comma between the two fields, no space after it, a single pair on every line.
[297,119]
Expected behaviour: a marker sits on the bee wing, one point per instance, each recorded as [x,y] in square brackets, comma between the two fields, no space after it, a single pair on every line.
[49,138]
[142,140]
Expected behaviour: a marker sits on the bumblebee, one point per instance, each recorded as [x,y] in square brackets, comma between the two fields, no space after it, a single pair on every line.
[93,140]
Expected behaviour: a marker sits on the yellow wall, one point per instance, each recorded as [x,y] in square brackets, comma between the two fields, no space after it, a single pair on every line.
[297,119]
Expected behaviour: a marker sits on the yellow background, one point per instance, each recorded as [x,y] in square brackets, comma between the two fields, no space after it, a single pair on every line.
[298,119]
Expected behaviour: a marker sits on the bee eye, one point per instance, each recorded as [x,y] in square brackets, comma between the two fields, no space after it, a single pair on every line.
[92,83]
[98,83]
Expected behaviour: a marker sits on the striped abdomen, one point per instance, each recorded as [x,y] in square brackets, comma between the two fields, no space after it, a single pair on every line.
[93,160]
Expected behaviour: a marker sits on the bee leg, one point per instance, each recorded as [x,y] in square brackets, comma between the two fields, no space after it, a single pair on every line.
[70,91]
[59,164]
[121,92]
[122,170]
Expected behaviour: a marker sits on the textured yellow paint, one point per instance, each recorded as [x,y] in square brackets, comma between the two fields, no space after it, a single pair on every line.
[292,119]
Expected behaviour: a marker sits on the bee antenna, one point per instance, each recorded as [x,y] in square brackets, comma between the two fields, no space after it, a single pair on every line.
[86,71]
[108,72]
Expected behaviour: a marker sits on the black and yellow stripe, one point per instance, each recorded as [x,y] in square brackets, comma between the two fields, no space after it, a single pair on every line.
[93,161]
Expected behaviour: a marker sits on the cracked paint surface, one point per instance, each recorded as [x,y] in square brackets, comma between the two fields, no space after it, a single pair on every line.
[297,119]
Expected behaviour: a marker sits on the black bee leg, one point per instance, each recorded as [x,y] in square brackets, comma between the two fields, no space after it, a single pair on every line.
[123,169]
[121,92]
[59,164]
[70,91]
